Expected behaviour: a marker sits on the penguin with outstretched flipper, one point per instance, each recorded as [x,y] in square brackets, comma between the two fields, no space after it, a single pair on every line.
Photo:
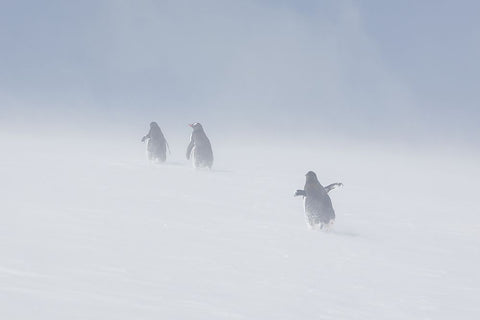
[317,204]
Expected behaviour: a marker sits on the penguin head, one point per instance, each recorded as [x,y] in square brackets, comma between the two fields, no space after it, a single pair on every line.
[153,125]
[311,176]
[196,126]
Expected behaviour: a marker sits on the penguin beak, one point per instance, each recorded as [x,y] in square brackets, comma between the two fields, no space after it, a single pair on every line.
[191,125]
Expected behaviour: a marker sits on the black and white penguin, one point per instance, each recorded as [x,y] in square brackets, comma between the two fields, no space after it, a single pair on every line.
[317,204]
[157,144]
[199,147]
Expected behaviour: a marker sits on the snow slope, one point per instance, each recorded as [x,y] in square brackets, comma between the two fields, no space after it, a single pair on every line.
[90,230]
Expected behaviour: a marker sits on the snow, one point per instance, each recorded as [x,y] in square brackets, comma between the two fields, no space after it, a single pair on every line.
[90,230]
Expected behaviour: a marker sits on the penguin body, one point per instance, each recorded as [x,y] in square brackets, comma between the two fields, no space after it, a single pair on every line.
[199,148]
[156,144]
[317,204]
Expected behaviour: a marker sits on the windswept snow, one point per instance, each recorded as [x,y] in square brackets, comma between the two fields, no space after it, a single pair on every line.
[91,230]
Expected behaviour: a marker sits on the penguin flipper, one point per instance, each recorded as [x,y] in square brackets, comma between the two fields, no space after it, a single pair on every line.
[300,193]
[333,186]
[189,148]
[168,147]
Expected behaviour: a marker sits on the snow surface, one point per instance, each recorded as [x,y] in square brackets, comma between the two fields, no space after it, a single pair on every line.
[90,230]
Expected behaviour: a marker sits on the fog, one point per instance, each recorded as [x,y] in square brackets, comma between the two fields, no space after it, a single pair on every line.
[259,66]
[380,97]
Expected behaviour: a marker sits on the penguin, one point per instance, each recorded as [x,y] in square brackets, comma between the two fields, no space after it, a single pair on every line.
[157,144]
[317,204]
[200,147]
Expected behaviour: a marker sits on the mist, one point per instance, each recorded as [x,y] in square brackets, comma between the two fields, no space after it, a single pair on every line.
[378,96]
[251,67]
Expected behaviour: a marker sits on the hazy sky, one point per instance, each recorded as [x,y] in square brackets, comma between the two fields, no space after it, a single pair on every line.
[354,67]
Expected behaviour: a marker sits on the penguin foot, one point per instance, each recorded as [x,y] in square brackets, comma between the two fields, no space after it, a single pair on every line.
[314,226]
[328,226]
